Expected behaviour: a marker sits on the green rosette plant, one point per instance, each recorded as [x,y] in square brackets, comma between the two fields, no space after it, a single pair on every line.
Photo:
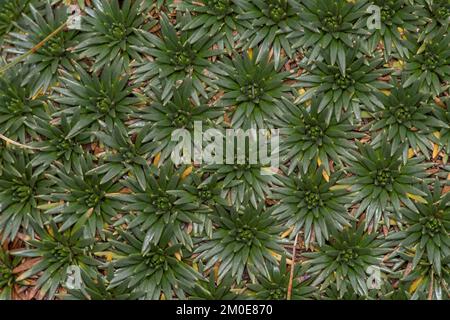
[210,289]
[397,18]
[243,241]
[20,192]
[55,146]
[59,251]
[111,32]
[97,288]
[158,270]
[310,203]
[407,121]
[211,18]
[436,13]
[307,137]
[345,260]
[102,101]
[358,88]
[428,63]
[427,230]
[80,199]
[251,89]
[173,58]
[18,108]
[159,123]
[335,27]
[275,286]
[381,182]
[270,25]
[158,211]
[8,279]
[53,56]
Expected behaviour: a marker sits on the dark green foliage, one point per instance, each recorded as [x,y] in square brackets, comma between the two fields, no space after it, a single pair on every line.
[310,203]
[428,228]
[213,17]
[128,156]
[275,286]
[97,288]
[308,138]
[101,101]
[175,59]
[155,270]
[10,12]
[381,181]
[428,63]
[18,109]
[345,259]
[53,56]
[59,251]
[251,89]
[355,88]
[20,189]
[111,32]
[244,240]
[397,17]
[335,26]
[81,199]
[436,13]
[210,289]
[443,114]
[272,23]
[58,146]
[423,282]
[212,149]
[160,120]
[407,121]
[154,199]
[8,279]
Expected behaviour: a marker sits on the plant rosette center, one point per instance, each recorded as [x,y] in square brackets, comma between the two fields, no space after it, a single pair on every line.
[95,197]
[155,260]
[61,253]
[182,119]
[253,91]
[118,31]
[183,59]
[8,11]
[431,225]
[313,131]
[128,154]
[383,178]
[104,105]
[219,7]
[430,61]
[313,199]
[387,13]
[162,203]
[343,81]
[332,22]
[205,194]
[276,12]
[6,276]
[278,294]
[402,114]
[63,144]
[442,13]
[348,256]
[55,46]
[15,105]
[21,192]
[245,234]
